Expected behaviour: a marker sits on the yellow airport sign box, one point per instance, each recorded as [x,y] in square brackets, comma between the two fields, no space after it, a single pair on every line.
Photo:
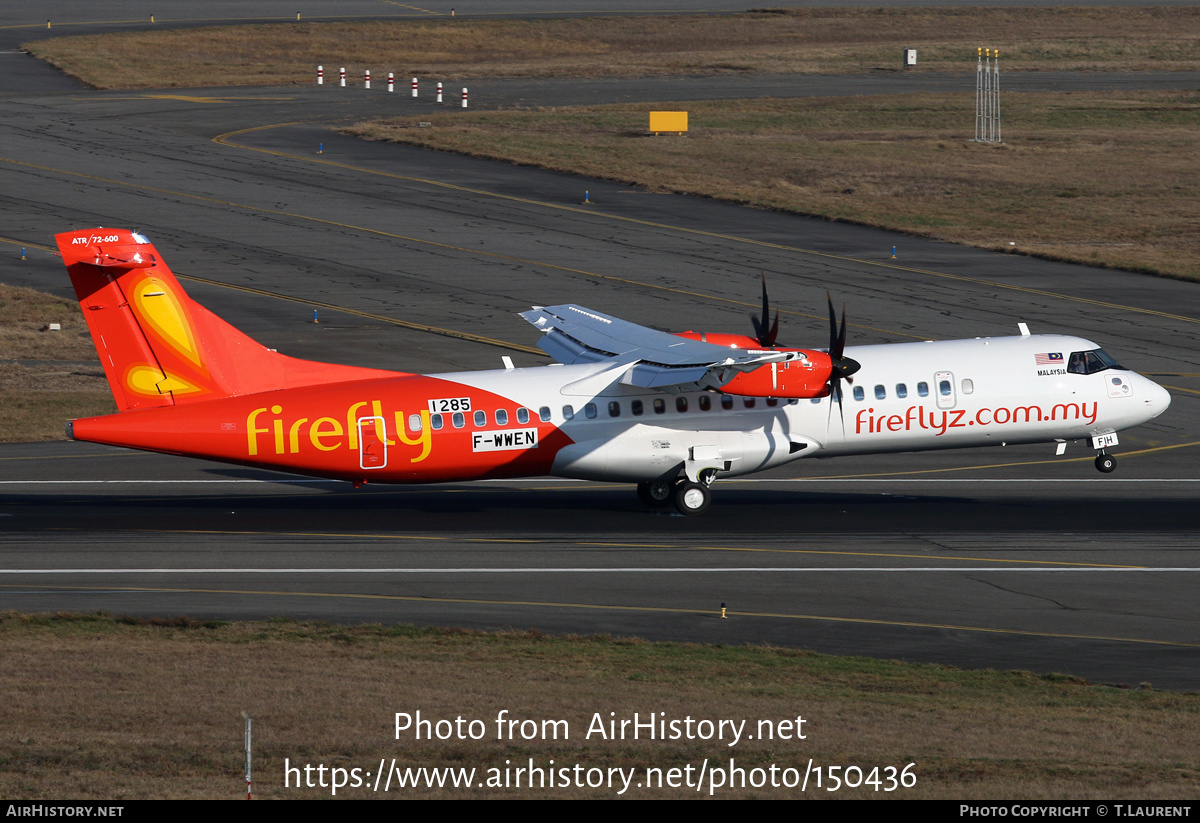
[675,121]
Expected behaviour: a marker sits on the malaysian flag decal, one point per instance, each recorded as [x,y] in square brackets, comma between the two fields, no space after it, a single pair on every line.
[1053,358]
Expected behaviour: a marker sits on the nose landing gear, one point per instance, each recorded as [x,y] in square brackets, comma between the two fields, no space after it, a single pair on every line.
[1106,463]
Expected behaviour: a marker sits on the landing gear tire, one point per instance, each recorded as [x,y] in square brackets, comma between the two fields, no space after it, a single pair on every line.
[656,494]
[691,498]
[1106,463]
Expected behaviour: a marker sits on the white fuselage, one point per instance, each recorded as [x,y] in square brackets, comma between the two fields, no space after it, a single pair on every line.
[914,396]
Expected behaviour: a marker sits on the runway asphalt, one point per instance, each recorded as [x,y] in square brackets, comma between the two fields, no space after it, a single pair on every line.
[1008,558]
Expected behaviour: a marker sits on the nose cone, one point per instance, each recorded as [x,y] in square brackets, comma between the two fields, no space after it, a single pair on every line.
[1161,399]
[1155,398]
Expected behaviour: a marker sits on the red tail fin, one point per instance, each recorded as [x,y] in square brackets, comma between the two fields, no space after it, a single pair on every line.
[158,346]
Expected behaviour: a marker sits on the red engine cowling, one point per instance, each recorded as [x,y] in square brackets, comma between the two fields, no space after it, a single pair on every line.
[804,377]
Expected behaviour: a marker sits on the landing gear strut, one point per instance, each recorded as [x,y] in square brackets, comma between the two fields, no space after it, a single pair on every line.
[1106,462]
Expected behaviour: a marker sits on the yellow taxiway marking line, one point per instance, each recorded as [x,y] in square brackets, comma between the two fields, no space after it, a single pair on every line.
[414,8]
[535,541]
[616,608]
[419,241]
[39,458]
[221,139]
[25,245]
[224,140]
[192,99]
[160,22]
[1000,465]
[460,335]
[408,324]
[1181,388]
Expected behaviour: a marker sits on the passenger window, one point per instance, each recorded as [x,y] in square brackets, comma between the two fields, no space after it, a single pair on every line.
[501,417]
[660,405]
[944,388]
[901,391]
[522,416]
[704,402]
[772,402]
[568,412]
[544,413]
[968,385]
[726,401]
[748,402]
[459,420]
[414,422]
[614,409]
[859,394]
[880,393]
[636,407]
[923,389]
[589,411]
[480,417]
[681,404]
[435,420]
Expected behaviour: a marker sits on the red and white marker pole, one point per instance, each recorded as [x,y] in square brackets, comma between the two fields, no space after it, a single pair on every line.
[439,92]
[391,83]
[464,97]
[320,75]
[414,87]
[367,79]
[342,77]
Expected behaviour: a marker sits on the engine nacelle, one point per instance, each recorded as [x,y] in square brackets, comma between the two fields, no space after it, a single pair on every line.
[803,377]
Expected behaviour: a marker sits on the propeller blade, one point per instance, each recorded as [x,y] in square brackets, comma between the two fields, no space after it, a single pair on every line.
[769,342]
[841,367]
[841,343]
[766,309]
[765,337]
[833,329]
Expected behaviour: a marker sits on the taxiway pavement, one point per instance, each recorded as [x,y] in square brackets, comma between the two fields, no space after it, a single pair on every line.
[1009,558]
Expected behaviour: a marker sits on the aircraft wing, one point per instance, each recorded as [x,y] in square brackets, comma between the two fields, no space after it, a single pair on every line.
[573,334]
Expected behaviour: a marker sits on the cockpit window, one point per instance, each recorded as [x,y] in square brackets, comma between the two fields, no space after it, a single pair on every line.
[1090,362]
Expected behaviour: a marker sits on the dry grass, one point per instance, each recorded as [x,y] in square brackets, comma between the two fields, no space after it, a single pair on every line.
[38,398]
[798,41]
[1107,179]
[24,313]
[97,708]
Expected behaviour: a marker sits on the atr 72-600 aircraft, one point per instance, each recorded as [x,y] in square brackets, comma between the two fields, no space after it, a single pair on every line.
[669,412]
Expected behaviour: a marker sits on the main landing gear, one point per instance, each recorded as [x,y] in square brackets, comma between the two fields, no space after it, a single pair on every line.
[657,493]
[1106,462]
[689,498]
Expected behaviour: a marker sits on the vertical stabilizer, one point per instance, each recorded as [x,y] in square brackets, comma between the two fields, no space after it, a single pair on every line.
[158,346]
